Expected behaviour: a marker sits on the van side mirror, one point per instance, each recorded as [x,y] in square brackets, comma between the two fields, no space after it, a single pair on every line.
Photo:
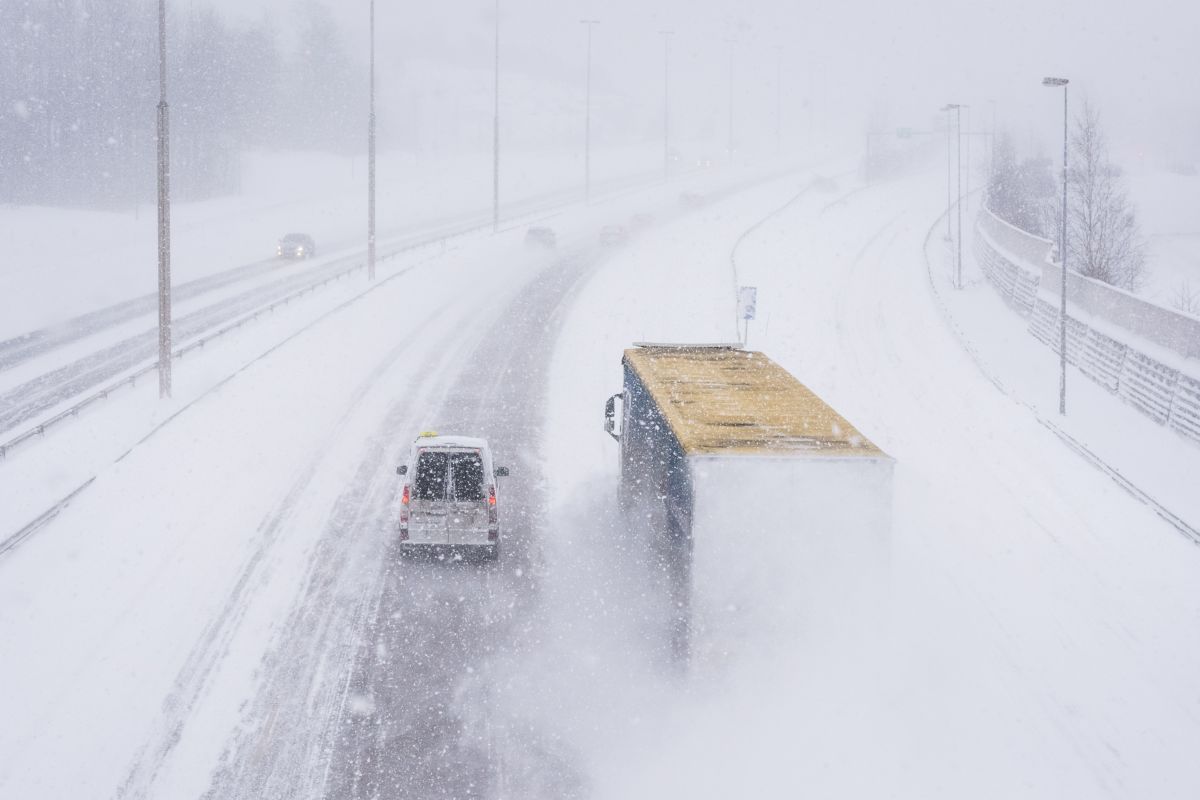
[610,415]
[402,469]
[501,472]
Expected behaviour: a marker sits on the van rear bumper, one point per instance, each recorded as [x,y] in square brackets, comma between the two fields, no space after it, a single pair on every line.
[486,551]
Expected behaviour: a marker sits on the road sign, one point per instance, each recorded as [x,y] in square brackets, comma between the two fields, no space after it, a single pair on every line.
[747,301]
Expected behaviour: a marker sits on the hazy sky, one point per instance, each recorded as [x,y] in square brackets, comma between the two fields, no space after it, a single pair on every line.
[852,57]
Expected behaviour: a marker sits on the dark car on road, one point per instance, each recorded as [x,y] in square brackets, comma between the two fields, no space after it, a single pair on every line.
[613,235]
[296,245]
[540,236]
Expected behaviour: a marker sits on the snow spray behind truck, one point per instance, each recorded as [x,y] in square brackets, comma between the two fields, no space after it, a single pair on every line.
[767,512]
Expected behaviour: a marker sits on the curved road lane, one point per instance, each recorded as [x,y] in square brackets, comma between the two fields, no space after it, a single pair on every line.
[386,681]
[422,718]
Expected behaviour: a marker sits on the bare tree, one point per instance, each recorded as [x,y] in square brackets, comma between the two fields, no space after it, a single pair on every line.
[1104,240]
[1187,299]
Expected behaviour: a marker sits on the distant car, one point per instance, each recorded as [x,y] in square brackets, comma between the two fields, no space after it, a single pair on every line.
[449,503]
[639,222]
[691,200]
[704,163]
[540,236]
[613,235]
[296,245]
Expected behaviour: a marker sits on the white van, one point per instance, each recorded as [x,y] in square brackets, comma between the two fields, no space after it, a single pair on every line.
[449,502]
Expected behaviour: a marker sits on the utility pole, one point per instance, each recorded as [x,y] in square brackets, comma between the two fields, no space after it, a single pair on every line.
[496,132]
[667,102]
[371,161]
[587,123]
[1062,257]
[164,212]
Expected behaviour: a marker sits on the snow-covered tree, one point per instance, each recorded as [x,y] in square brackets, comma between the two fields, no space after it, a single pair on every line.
[1018,193]
[1104,240]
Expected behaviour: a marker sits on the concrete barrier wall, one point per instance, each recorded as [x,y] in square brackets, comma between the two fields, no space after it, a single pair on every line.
[1146,354]
[1163,326]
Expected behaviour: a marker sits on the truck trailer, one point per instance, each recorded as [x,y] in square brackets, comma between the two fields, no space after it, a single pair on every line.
[765,510]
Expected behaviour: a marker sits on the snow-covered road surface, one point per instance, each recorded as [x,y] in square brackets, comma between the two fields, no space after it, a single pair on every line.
[229,619]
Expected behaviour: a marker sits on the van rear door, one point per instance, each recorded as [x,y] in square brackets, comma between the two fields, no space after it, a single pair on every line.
[468,492]
[428,509]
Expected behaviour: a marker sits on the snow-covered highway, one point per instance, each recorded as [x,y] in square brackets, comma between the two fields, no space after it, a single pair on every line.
[223,614]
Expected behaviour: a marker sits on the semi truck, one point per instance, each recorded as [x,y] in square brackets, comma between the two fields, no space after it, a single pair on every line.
[764,510]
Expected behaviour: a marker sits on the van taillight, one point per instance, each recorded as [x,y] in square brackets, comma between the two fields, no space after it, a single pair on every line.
[404,513]
[493,519]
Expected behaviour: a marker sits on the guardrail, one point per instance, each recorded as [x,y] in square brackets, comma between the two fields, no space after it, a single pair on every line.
[1142,352]
[1080,449]
[131,378]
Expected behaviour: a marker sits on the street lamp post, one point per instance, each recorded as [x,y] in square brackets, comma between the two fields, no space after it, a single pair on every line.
[496,129]
[957,109]
[1062,257]
[958,164]
[966,198]
[949,170]
[587,122]
[667,102]
[371,159]
[164,212]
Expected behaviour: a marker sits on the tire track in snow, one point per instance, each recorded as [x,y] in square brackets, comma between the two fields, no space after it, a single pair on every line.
[432,667]
[215,640]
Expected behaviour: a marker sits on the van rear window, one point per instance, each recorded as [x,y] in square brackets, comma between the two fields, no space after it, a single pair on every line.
[430,483]
[466,470]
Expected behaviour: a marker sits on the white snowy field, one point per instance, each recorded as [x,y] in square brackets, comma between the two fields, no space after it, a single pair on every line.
[1043,624]
[1166,205]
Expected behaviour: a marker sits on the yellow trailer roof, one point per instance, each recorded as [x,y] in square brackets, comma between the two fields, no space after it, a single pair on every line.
[723,400]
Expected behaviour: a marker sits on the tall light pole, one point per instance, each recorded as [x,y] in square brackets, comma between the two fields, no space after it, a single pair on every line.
[371,160]
[164,212]
[957,109]
[1062,257]
[729,146]
[966,198]
[958,164]
[587,122]
[949,171]
[666,102]
[496,130]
